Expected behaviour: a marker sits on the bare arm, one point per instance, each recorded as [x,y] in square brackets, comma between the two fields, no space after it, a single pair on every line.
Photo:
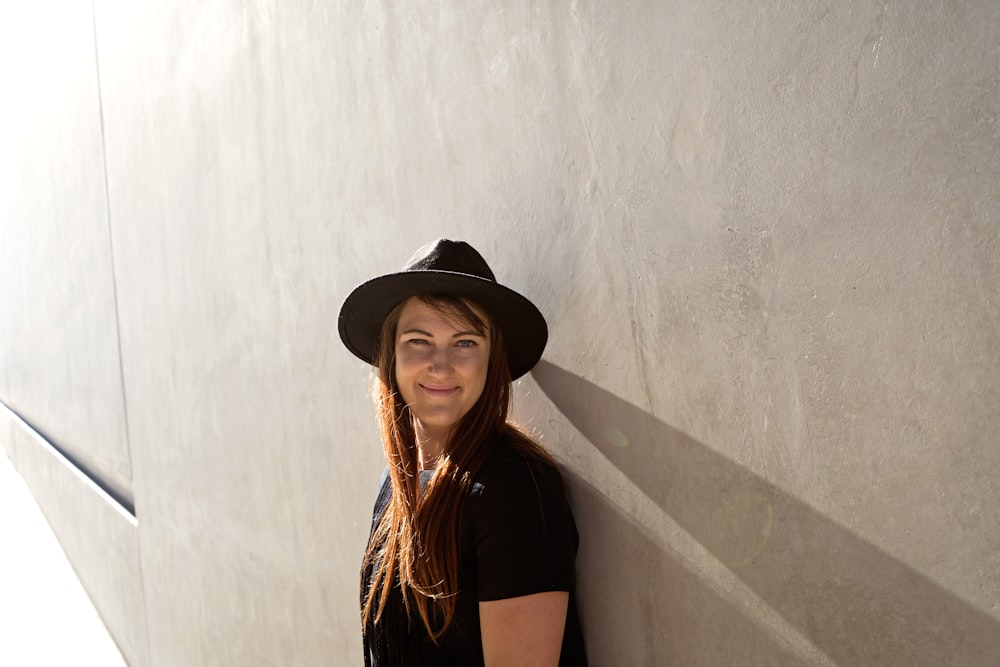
[525,631]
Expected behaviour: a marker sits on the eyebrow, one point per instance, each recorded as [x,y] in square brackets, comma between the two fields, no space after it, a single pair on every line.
[430,335]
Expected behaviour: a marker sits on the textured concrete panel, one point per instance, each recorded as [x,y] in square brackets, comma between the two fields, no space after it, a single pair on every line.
[59,354]
[8,422]
[723,212]
[98,536]
[251,490]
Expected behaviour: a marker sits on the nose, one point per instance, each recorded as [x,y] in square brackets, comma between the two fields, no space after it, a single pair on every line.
[440,361]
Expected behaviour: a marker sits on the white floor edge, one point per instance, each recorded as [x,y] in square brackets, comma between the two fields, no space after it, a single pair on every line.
[46,617]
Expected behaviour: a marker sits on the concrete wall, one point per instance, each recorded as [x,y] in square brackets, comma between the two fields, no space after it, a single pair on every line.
[765,236]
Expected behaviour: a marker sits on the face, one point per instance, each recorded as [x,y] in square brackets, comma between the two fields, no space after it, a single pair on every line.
[441,364]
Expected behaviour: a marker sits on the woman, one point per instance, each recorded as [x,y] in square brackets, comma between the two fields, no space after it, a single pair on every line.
[471,555]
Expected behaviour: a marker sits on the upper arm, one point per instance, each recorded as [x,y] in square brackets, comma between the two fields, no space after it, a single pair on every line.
[524,631]
[525,548]
[524,533]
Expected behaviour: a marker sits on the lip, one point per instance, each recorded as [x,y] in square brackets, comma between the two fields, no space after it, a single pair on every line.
[438,391]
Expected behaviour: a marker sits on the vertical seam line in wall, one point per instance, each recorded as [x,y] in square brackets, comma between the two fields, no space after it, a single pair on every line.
[144,638]
[111,246]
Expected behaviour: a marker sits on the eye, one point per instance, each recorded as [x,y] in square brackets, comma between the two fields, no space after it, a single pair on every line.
[416,341]
[467,343]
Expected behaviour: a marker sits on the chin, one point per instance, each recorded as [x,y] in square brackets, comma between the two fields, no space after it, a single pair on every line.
[437,421]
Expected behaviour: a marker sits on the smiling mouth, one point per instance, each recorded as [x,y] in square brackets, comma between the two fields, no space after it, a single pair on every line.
[439,391]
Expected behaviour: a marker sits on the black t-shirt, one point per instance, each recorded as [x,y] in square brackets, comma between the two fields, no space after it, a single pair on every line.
[516,537]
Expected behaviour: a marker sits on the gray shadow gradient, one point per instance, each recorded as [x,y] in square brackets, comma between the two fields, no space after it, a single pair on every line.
[852,600]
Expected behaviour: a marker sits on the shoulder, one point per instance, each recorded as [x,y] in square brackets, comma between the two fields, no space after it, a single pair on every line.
[520,487]
[515,468]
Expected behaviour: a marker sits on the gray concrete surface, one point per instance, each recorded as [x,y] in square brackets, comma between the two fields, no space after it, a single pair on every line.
[59,360]
[764,234]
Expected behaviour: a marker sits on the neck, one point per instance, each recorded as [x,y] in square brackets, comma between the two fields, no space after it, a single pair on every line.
[430,445]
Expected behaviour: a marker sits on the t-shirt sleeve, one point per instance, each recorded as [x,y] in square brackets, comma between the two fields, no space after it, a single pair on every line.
[523,529]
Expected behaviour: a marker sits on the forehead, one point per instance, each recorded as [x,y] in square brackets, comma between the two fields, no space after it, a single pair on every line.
[416,311]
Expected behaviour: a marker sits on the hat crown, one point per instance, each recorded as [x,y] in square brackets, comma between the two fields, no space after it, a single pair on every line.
[451,256]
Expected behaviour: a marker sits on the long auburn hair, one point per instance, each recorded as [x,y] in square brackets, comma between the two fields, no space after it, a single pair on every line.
[415,543]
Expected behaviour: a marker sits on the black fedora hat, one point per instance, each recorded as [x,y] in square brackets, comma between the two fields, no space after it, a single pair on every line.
[452,268]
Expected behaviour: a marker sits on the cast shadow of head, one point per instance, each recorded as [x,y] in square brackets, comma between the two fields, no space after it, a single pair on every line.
[853,601]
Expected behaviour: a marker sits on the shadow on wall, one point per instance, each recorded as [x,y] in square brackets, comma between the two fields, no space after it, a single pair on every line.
[853,601]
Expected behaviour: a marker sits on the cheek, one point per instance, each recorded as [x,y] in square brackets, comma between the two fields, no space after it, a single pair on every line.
[402,367]
[476,373]
[403,383]
[407,358]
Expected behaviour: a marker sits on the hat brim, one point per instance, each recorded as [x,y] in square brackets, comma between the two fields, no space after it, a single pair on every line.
[365,310]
